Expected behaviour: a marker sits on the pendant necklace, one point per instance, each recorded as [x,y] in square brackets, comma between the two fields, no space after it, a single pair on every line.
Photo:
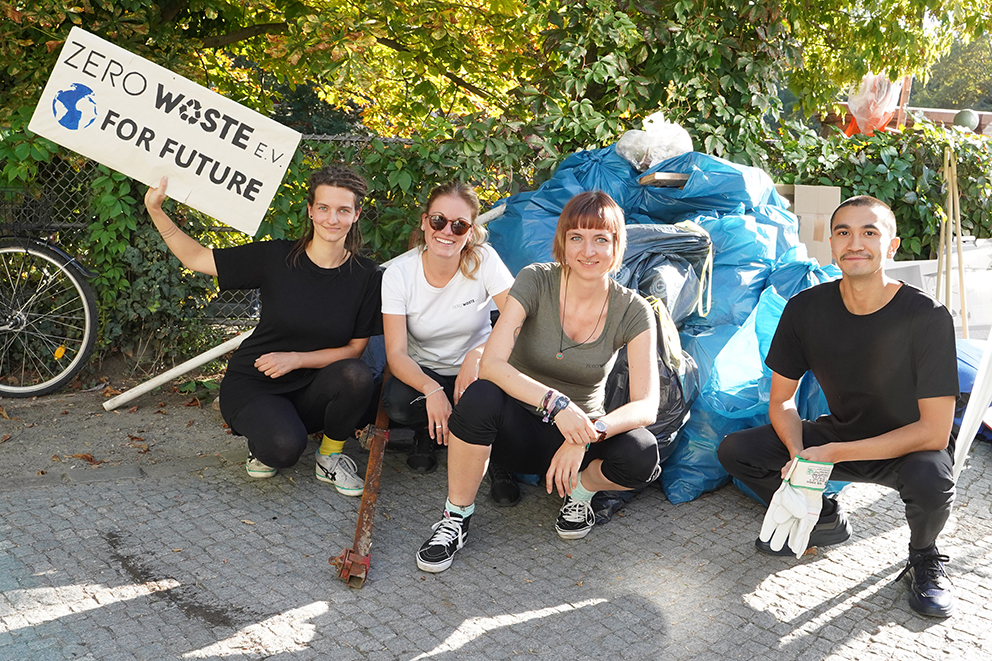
[561,338]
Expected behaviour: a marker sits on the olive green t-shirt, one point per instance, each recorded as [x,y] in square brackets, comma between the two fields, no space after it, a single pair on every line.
[581,373]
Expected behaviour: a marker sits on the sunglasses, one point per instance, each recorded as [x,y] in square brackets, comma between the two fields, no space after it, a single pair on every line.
[438,223]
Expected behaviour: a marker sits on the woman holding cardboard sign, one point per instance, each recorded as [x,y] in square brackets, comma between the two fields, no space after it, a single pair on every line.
[300,371]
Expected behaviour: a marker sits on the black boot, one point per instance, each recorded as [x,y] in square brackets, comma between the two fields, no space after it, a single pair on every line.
[421,456]
[503,489]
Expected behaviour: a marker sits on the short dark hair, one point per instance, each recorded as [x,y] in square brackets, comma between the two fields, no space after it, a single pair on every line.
[887,218]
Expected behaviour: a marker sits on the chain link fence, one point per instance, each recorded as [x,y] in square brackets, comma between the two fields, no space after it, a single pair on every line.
[55,207]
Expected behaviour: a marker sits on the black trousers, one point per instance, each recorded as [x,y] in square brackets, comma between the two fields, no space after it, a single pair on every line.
[277,426]
[924,480]
[522,443]
[398,399]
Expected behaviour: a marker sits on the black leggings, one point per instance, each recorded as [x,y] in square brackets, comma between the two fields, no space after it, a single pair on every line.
[398,399]
[924,480]
[277,426]
[522,443]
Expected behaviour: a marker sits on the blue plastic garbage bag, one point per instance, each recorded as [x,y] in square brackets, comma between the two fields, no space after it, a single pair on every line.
[969,357]
[605,170]
[781,224]
[796,271]
[739,381]
[743,256]
[669,262]
[693,468]
[524,234]
[714,183]
[704,345]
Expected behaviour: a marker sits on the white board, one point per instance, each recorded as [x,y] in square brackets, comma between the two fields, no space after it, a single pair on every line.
[141,119]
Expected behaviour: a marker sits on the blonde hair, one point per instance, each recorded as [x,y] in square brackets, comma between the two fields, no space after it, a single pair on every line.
[471,256]
[591,210]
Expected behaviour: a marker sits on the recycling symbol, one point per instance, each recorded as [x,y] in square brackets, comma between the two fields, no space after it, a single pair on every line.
[190,111]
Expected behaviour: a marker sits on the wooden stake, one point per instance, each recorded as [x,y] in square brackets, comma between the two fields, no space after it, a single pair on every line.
[957,228]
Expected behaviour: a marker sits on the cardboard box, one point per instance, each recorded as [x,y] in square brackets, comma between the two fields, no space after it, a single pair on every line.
[814,206]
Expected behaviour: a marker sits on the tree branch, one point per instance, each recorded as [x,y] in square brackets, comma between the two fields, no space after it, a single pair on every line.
[222,40]
[171,10]
[456,79]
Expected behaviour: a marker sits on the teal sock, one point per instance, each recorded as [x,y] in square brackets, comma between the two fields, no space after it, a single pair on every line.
[463,512]
[580,493]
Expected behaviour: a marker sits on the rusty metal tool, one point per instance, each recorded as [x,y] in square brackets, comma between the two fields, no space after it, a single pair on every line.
[353,563]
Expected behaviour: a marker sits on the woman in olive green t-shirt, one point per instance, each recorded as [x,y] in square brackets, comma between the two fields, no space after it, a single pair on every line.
[538,405]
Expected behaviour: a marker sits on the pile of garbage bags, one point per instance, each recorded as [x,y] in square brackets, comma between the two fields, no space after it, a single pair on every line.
[723,254]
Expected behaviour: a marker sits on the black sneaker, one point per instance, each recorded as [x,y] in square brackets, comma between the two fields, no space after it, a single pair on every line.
[449,535]
[829,530]
[929,588]
[575,519]
[421,456]
[503,490]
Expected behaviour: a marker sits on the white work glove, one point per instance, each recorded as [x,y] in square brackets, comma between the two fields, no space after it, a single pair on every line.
[795,507]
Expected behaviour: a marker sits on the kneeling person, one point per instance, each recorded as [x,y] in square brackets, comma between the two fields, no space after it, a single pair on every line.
[884,354]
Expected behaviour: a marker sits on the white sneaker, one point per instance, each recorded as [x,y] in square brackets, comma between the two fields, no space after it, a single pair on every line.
[257,469]
[341,471]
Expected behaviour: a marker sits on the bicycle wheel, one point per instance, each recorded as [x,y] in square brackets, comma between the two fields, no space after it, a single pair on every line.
[47,319]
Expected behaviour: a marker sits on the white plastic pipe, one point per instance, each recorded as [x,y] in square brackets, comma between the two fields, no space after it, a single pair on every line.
[178,370]
[978,405]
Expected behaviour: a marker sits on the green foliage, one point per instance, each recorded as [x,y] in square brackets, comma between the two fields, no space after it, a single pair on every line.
[146,301]
[301,108]
[960,79]
[199,387]
[904,169]
[401,173]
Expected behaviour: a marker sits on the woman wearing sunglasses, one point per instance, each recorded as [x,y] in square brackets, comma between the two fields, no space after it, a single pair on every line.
[538,406]
[436,303]
[300,371]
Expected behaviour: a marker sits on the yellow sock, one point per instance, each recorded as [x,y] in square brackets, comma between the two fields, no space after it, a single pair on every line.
[330,446]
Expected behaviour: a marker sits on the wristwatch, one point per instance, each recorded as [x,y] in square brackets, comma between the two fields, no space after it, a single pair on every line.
[601,428]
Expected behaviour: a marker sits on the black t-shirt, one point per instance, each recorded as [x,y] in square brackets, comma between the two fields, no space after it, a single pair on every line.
[872,368]
[303,308]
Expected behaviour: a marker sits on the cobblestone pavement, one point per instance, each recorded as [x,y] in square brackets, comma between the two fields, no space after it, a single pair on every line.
[189,559]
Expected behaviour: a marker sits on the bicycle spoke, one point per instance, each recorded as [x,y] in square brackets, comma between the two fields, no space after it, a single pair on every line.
[48,320]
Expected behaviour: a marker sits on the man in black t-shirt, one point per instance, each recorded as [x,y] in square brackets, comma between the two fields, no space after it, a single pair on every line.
[884,354]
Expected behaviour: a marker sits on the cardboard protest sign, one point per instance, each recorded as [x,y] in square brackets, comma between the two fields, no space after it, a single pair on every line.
[143,120]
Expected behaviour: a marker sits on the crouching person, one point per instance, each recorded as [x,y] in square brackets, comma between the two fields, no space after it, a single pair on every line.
[883,352]
[538,406]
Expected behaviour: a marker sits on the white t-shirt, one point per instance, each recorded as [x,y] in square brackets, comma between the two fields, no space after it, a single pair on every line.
[443,324]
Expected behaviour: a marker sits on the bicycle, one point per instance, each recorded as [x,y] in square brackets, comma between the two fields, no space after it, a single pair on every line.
[48,315]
